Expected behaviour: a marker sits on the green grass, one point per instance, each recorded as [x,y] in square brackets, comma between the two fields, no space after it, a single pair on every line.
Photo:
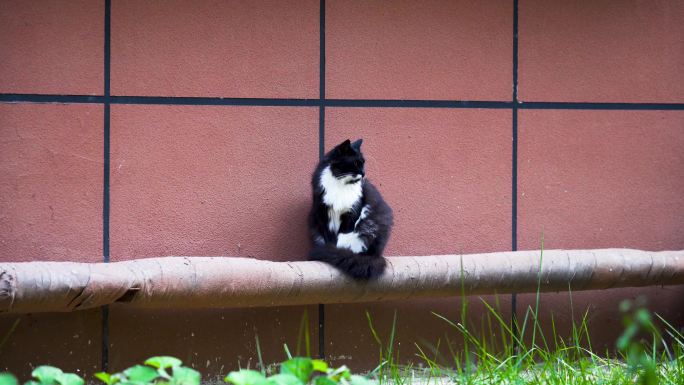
[644,355]
[523,353]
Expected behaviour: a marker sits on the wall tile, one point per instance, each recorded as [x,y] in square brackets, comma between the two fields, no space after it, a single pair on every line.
[211,341]
[446,173]
[51,167]
[52,47]
[244,49]
[70,341]
[601,51]
[211,180]
[594,179]
[419,50]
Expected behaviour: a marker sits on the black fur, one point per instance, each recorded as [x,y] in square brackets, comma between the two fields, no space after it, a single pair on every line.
[374,230]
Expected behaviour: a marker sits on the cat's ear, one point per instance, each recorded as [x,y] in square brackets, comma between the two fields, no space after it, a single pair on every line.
[343,147]
[357,145]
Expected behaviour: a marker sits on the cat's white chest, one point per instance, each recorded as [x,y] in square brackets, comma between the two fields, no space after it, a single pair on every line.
[334,220]
[339,196]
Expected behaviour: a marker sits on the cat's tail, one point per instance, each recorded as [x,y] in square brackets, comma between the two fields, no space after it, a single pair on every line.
[357,266]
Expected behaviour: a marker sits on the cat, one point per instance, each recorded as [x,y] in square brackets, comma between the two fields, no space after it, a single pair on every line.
[349,222]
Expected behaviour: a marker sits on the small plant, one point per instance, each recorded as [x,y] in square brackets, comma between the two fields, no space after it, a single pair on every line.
[165,370]
[44,375]
[155,371]
[8,379]
[299,371]
[639,324]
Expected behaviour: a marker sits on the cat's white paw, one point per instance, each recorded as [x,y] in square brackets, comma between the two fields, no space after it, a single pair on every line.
[351,241]
[364,213]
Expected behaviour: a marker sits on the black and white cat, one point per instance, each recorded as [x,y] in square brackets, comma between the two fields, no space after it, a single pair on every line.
[349,222]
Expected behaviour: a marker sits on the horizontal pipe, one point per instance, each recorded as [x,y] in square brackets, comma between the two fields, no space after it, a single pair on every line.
[217,282]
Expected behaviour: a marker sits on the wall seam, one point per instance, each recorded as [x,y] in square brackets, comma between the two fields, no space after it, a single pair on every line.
[514,166]
[321,151]
[339,103]
[105,190]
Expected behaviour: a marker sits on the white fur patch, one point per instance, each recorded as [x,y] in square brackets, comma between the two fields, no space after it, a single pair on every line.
[351,241]
[364,213]
[339,196]
[334,219]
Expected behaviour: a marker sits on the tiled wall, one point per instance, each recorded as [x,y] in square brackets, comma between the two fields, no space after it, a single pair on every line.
[142,128]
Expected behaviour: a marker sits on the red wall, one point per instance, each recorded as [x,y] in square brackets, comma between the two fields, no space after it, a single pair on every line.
[597,126]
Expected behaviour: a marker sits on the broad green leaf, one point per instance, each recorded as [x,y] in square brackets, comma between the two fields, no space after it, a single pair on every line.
[109,379]
[32,383]
[69,379]
[246,377]
[46,374]
[324,380]
[299,367]
[284,379]
[140,373]
[8,379]
[359,380]
[163,362]
[320,366]
[104,377]
[185,376]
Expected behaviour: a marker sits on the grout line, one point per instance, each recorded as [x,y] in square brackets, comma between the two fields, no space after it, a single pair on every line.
[107,101]
[104,313]
[38,98]
[514,182]
[514,107]
[349,103]
[321,132]
[514,168]
[321,73]
[321,151]
[416,103]
[323,102]
[106,154]
[321,331]
[211,101]
[598,106]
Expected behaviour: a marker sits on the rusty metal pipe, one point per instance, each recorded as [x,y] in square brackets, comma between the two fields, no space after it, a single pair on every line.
[216,282]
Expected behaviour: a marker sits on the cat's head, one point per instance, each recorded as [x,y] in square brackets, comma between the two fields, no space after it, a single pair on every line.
[346,161]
